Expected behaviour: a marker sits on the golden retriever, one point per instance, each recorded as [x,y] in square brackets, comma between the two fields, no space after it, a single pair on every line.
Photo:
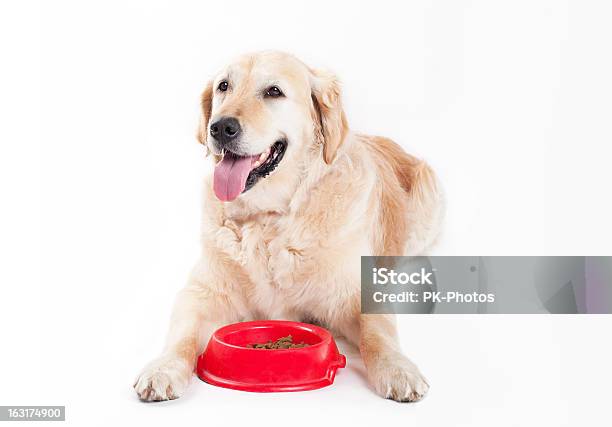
[295,200]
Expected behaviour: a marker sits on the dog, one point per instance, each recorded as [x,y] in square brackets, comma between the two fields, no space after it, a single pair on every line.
[295,200]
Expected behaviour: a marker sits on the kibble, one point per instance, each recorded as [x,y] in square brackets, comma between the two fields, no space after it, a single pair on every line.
[279,344]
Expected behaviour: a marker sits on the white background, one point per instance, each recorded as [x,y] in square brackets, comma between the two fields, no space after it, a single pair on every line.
[101,178]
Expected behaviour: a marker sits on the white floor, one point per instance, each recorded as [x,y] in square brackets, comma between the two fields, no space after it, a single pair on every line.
[484,370]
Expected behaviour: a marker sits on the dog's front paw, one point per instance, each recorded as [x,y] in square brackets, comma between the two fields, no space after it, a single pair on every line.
[397,378]
[165,378]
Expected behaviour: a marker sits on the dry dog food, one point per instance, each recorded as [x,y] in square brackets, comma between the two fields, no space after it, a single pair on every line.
[281,343]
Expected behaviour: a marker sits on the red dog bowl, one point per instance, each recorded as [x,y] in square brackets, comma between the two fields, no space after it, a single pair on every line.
[228,362]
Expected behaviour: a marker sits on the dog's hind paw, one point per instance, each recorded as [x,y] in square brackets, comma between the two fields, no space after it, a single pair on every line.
[398,379]
[165,378]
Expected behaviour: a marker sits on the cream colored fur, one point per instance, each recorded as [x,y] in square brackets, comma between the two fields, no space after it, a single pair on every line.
[290,247]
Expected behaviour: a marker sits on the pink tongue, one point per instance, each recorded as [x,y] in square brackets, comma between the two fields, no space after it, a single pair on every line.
[230,176]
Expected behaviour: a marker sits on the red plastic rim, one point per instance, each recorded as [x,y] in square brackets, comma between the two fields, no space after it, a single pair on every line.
[227,362]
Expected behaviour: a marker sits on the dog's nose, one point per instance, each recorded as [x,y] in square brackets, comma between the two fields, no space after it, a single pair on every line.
[225,129]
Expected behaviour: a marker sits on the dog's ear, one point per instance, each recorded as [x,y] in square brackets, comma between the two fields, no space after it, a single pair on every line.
[206,109]
[330,121]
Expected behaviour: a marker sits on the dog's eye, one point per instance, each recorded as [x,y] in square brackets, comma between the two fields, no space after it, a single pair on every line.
[274,92]
[223,86]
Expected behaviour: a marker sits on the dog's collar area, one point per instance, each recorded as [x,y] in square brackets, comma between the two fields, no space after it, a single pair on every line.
[277,151]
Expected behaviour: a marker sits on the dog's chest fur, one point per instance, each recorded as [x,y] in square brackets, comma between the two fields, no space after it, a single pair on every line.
[266,256]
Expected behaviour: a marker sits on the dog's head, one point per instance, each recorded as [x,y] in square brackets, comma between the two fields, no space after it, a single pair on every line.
[266,112]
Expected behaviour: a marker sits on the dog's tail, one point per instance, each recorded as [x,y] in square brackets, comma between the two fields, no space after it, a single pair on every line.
[425,203]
